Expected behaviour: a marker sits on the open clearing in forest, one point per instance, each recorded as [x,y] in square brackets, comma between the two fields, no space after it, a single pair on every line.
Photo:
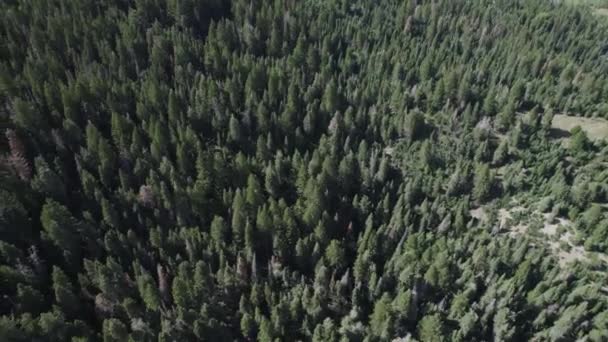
[564,246]
[591,3]
[594,127]
[558,233]
[602,12]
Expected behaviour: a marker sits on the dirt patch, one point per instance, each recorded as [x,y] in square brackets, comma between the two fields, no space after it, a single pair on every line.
[602,12]
[479,213]
[504,221]
[564,247]
[549,228]
[558,232]
[595,128]
[389,151]
[567,254]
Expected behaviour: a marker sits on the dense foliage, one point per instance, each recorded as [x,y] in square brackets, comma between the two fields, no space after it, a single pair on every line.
[179,170]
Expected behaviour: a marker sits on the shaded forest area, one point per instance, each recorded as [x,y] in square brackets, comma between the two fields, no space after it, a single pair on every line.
[177,170]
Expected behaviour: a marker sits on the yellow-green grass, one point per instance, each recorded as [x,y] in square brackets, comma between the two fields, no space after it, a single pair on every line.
[599,7]
[602,11]
[596,3]
[595,128]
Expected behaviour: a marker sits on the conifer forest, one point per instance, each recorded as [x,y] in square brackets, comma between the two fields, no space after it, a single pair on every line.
[303,170]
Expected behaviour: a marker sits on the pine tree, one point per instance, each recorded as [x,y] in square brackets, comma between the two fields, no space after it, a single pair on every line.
[483,182]
[61,228]
[64,295]
[46,181]
[579,141]
[114,330]
[335,255]
[234,133]
[239,218]
[219,231]
[330,97]
[381,318]
[431,328]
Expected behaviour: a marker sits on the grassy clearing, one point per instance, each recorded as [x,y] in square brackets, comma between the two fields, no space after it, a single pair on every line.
[600,7]
[594,127]
[595,3]
[602,12]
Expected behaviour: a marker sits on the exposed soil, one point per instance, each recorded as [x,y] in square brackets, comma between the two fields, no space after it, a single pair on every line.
[551,229]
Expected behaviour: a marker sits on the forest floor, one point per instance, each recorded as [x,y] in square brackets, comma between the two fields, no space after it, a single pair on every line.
[556,232]
[594,127]
[561,241]
[598,6]
[602,12]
